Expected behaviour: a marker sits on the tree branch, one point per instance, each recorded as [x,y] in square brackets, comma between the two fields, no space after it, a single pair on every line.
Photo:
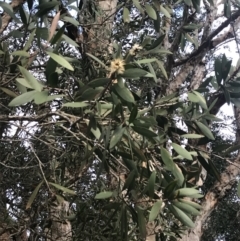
[207,44]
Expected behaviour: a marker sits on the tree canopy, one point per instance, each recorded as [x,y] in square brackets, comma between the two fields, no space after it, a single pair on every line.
[108,118]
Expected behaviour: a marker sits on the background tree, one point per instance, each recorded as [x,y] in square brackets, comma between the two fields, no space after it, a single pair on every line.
[109,106]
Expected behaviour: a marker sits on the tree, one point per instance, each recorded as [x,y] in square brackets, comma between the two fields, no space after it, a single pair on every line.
[111,106]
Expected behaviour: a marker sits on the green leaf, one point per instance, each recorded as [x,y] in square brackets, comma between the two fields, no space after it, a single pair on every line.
[165,11]
[205,130]
[156,208]
[191,26]
[40,97]
[192,136]
[170,188]
[218,70]
[227,9]
[61,61]
[141,223]
[33,82]
[151,184]
[226,66]
[193,204]
[126,15]
[151,12]
[232,149]
[186,192]
[145,61]
[238,189]
[33,195]
[71,20]
[99,82]
[8,9]
[45,7]
[117,136]
[134,73]
[133,114]
[97,60]
[24,82]
[167,159]
[23,15]
[138,6]
[164,72]
[21,53]
[181,216]
[186,208]
[144,131]
[8,92]
[178,174]
[182,151]
[76,104]
[103,195]
[124,93]
[201,99]
[69,40]
[64,189]
[23,98]
[130,182]
[188,2]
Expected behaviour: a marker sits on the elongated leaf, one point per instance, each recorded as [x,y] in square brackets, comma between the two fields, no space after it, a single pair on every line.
[238,189]
[126,15]
[218,70]
[99,82]
[45,7]
[134,73]
[96,59]
[124,93]
[64,189]
[179,214]
[138,6]
[165,11]
[33,82]
[21,53]
[104,195]
[155,210]
[186,192]
[186,208]
[133,114]
[193,204]
[117,136]
[8,92]
[33,195]
[192,136]
[144,131]
[61,61]
[164,72]
[177,172]
[205,130]
[182,151]
[23,98]
[130,182]
[71,20]
[151,184]
[76,104]
[151,12]
[141,223]
[167,159]
[8,9]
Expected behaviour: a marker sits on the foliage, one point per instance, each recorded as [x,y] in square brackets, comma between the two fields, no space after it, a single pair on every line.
[98,126]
